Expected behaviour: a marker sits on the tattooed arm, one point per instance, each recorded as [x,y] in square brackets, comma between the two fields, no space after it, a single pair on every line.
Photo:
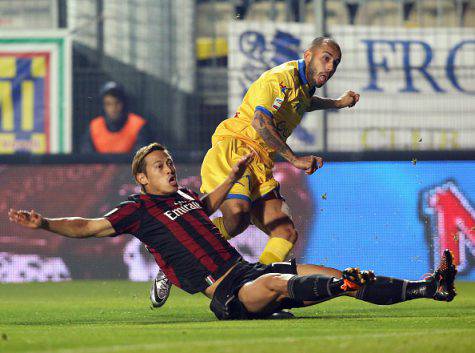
[319,103]
[348,99]
[265,127]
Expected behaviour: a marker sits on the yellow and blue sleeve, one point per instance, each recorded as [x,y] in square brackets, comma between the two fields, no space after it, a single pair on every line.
[268,95]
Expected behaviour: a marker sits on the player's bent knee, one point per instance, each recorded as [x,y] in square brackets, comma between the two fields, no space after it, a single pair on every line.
[277,282]
[264,291]
[289,233]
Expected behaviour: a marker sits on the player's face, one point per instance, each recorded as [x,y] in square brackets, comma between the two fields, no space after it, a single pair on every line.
[160,174]
[112,106]
[322,64]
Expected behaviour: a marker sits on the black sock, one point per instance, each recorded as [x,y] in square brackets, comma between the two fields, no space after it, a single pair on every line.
[314,288]
[420,289]
[387,290]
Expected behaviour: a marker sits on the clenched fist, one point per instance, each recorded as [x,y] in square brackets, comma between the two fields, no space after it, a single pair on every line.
[348,99]
[308,163]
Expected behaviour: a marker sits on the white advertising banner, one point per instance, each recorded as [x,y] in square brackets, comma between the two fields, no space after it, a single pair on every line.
[417,86]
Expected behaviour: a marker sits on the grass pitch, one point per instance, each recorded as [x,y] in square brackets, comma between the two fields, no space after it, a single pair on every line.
[114,316]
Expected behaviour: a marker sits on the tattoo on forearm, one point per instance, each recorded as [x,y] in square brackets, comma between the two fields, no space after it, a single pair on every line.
[262,120]
[319,103]
[268,131]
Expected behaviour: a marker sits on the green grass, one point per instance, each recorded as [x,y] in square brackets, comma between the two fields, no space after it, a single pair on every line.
[113,316]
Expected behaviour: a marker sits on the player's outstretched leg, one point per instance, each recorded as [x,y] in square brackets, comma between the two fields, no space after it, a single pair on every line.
[160,290]
[316,288]
[438,286]
[266,292]
[315,284]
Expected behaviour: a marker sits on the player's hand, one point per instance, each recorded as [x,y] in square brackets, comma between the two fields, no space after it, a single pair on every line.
[348,99]
[26,219]
[308,163]
[240,167]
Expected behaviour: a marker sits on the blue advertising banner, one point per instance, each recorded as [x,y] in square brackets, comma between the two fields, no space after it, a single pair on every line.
[393,217]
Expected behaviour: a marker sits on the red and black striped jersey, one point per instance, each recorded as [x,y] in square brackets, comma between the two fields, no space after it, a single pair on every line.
[179,234]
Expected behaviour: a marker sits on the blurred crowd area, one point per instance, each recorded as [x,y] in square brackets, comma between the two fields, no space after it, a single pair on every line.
[169,64]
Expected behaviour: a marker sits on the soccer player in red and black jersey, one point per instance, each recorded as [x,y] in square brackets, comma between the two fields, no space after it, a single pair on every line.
[173,223]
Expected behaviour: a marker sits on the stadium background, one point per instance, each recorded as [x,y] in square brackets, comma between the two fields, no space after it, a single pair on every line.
[399,183]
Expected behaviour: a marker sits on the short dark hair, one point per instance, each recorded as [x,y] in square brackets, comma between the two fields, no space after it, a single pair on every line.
[319,41]
[138,163]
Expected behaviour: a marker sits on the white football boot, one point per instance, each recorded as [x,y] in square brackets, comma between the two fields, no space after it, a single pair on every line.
[160,290]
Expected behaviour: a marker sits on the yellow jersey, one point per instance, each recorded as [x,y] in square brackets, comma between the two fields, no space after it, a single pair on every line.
[283,93]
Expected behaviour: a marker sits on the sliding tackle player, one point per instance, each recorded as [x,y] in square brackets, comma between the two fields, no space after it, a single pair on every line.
[174,225]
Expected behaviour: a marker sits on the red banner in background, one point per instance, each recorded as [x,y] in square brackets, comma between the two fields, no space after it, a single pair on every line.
[450,223]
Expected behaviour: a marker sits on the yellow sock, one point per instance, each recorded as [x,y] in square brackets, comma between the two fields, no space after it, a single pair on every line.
[275,251]
[219,223]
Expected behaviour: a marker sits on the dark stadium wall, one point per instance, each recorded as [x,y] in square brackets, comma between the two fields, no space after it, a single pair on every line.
[149,97]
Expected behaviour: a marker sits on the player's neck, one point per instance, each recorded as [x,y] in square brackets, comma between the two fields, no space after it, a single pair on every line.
[159,193]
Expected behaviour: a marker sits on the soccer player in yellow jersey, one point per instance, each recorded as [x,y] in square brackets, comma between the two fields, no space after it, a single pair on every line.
[271,109]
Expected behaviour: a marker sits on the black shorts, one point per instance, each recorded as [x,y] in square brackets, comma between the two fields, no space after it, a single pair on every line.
[225,303]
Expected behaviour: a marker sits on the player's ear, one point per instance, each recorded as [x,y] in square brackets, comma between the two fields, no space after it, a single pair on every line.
[141,178]
[307,55]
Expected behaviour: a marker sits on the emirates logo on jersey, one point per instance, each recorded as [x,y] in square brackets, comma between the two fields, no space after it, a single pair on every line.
[180,202]
[179,211]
